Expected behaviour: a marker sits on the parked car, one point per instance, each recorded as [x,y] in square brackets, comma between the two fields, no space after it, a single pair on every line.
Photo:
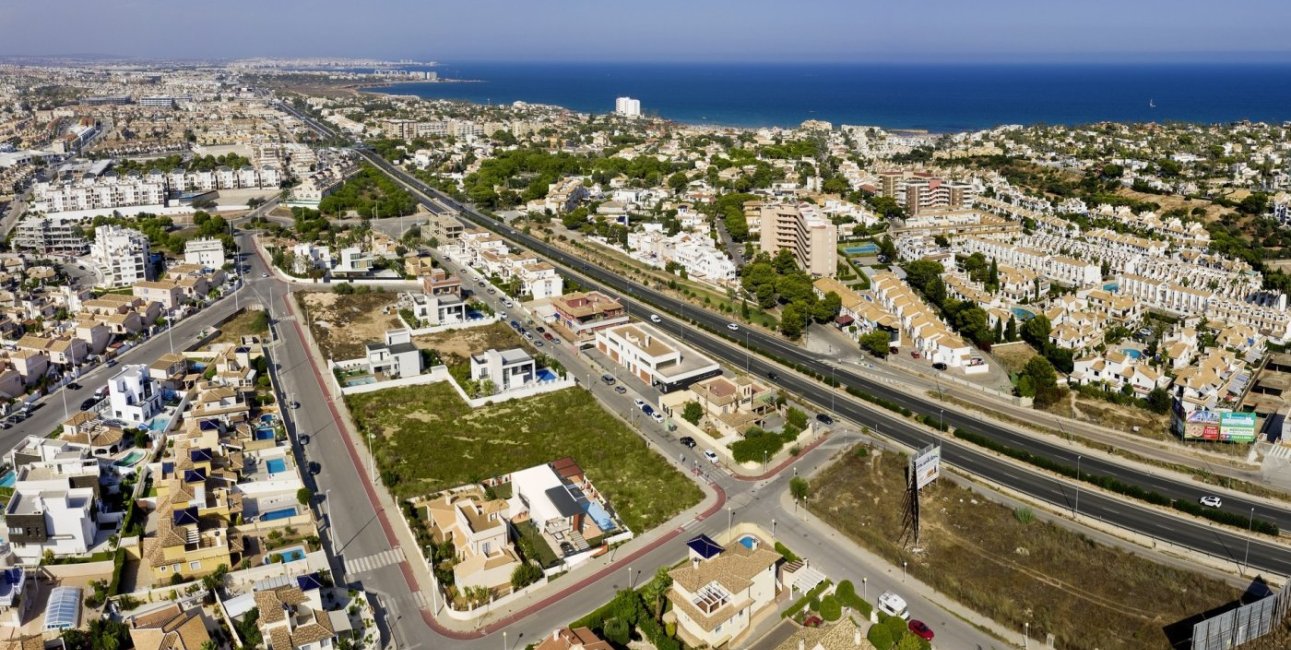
[515,324]
[733,327]
[608,379]
[711,456]
[264,275]
[112,362]
[688,441]
[654,318]
[315,468]
[620,389]
[914,354]
[648,410]
[295,405]
[304,439]
[658,417]
[74,386]
[639,402]
[1212,501]
[824,418]
[88,403]
[921,630]
[939,366]
[538,344]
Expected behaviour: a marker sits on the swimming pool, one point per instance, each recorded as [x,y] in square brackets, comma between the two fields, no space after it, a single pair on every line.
[868,248]
[263,433]
[276,466]
[361,380]
[748,541]
[1111,286]
[1133,353]
[267,418]
[600,516]
[291,554]
[281,513]
[158,424]
[546,375]
[1022,313]
[129,459]
[10,477]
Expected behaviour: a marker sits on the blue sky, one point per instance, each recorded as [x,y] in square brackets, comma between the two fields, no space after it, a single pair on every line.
[657,30]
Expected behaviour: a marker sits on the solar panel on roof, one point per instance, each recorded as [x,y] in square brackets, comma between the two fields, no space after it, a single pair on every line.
[194,475]
[309,581]
[185,516]
[704,546]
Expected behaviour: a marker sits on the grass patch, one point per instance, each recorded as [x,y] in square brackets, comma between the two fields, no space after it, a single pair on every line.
[980,554]
[427,440]
[248,322]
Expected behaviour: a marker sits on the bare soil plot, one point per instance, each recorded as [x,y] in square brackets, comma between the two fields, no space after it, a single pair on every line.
[341,324]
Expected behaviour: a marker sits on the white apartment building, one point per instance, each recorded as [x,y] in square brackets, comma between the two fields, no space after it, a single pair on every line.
[61,521]
[133,396]
[694,251]
[799,228]
[207,252]
[120,256]
[654,358]
[108,191]
[627,107]
[50,236]
[1058,268]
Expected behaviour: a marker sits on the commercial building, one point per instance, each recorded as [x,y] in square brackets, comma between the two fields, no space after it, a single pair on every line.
[120,256]
[654,358]
[207,252]
[800,229]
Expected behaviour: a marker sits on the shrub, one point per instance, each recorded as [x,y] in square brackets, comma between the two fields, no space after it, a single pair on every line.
[617,631]
[1024,515]
[525,575]
[830,609]
[846,595]
[805,600]
[785,553]
[880,637]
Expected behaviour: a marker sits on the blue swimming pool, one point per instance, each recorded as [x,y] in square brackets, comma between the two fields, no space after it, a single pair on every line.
[1022,314]
[291,554]
[158,424]
[360,380]
[1133,353]
[10,477]
[869,248]
[263,433]
[599,515]
[748,541]
[1111,286]
[546,375]
[276,466]
[267,418]
[281,513]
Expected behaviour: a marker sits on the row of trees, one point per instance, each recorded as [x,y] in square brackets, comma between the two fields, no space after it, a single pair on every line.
[369,193]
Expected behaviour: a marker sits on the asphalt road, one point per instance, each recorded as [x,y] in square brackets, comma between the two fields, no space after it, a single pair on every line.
[1266,555]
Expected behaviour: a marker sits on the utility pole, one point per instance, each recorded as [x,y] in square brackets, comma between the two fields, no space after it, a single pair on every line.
[1076,511]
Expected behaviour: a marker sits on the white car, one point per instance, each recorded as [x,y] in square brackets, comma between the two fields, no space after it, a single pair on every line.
[654,318]
[638,402]
[733,327]
[1212,501]
[658,417]
[711,456]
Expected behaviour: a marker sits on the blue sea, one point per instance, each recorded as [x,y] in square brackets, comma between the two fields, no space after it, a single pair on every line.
[939,98]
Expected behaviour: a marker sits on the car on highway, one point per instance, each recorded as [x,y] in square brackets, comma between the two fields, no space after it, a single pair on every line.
[608,379]
[654,318]
[688,441]
[111,362]
[711,456]
[733,327]
[921,630]
[824,418]
[1212,501]
[939,366]
[772,375]
[620,389]
[638,402]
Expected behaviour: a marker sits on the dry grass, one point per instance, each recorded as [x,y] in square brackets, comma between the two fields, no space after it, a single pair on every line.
[248,322]
[1013,356]
[342,323]
[1009,567]
[456,346]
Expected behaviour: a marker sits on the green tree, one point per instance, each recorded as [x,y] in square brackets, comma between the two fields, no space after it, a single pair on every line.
[678,181]
[617,631]
[1011,330]
[692,412]
[796,417]
[1036,331]
[827,308]
[792,320]
[876,343]
[304,496]
[1159,400]
[655,592]
[799,488]
[525,574]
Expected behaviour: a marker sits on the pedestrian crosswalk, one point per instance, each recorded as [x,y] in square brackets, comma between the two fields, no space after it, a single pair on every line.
[373,562]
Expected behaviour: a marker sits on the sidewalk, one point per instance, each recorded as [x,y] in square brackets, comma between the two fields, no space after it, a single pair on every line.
[418,574]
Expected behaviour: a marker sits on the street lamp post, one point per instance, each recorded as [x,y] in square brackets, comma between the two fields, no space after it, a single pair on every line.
[904,570]
[943,419]
[629,577]
[504,640]
[865,591]
[773,527]
[1026,634]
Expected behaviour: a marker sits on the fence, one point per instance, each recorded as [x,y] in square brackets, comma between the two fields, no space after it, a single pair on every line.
[1246,623]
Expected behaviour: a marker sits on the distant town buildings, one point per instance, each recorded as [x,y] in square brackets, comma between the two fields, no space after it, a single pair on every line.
[627,107]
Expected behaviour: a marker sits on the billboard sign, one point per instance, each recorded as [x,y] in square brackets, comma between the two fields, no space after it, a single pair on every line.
[1237,427]
[927,465]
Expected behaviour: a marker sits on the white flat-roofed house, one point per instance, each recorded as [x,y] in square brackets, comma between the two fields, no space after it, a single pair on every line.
[507,369]
[207,252]
[133,396]
[396,357]
[61,521]
[444,309]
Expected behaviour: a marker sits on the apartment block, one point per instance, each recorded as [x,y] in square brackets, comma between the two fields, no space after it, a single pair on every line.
[800,229]
[207,252]
[120,256]
[654,358]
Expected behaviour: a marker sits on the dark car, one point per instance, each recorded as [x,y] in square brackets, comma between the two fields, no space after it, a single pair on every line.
[921,630]
[939,366]
[88,404]
[688,441]
[315,468]
[824,418]
[608,379]
[74,386]
[567,548]
[304,440]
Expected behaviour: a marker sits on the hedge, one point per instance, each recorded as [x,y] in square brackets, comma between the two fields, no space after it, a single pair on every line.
[785,553]
[830,609]
[1120,487]
[805,600]
[846,595]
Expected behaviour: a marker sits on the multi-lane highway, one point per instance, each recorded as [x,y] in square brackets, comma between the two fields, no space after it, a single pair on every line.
[1265,554]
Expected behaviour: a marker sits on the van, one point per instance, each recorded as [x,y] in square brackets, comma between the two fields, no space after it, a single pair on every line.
[894,605]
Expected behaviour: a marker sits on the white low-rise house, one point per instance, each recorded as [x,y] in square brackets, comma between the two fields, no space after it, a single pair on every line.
[61,521]
[396,357]
[133,396]
[446,309]
[653,357]
[354,262]
[310,256]
[719,591]
[507,369]
[1117,369]
[120,256]
[207,252]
